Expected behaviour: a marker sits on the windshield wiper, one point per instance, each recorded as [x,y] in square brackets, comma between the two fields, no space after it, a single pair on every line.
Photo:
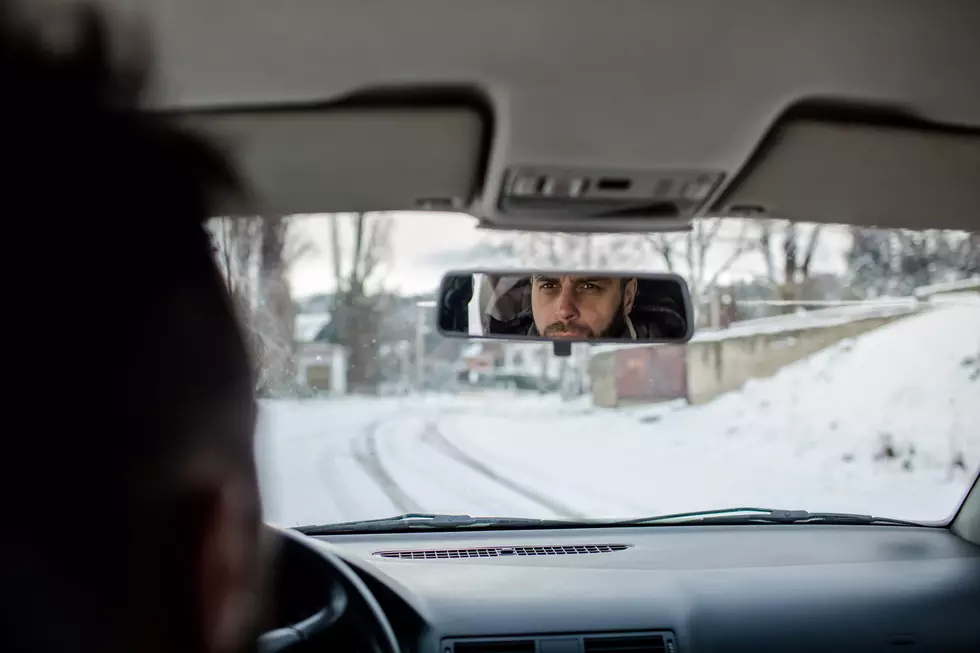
[729,516]
[735,516]
[418,520]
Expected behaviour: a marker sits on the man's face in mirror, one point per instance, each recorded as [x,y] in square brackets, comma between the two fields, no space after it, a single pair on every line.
[579,308]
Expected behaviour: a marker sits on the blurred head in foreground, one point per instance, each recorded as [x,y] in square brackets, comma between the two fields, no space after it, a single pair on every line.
[132,508]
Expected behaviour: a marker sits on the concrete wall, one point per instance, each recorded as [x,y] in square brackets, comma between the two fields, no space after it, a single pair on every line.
[714,368]
[602,369]
[722,364]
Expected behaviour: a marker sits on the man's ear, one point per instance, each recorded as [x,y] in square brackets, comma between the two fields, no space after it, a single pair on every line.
[228,564]
[629,296]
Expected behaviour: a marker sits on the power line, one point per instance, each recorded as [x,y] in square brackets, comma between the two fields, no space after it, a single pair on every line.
[827,302]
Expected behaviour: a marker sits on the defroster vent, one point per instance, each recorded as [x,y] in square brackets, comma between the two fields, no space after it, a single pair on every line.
[503,551]
[636,642]
[627,644]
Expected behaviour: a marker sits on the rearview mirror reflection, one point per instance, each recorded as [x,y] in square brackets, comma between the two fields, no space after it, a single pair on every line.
[548,305]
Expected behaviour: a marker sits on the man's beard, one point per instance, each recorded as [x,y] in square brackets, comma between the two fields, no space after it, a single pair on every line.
[577,331]
[569,330]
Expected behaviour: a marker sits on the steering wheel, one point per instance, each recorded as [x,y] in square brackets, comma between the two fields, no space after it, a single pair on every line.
[346,600]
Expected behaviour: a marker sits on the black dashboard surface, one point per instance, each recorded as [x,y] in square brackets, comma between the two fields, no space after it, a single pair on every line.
[788,588]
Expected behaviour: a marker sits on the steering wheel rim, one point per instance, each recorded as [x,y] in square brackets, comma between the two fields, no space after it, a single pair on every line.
[349,598]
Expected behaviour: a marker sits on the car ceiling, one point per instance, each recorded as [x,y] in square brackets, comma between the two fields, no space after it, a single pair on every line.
[624,84]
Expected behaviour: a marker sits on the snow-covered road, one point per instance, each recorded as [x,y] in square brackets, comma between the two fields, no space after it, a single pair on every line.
[325,461]
[810,437]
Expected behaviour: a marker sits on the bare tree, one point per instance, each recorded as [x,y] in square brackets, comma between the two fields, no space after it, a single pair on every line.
[788,253]
[666,246]
[359,248]
[578,251]
[968,255]
[895,262]
[570,251]
[236,240]
[256,254]
[275,315]
[704,254]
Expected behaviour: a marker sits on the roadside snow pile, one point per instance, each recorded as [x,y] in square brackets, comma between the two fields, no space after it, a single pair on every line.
[887,423]
[903,393]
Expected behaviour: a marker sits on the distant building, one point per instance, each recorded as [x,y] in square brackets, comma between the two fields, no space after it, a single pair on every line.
[310,326]
[520,365]
[321,366]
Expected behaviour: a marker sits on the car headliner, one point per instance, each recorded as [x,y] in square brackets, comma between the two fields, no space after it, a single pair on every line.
[644,84]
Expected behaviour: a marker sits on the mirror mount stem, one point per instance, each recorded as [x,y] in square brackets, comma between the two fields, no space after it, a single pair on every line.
[562,348]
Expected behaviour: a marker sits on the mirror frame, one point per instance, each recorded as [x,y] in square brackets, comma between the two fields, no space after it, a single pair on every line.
[656,276]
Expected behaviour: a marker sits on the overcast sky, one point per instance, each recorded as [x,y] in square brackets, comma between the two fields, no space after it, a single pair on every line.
[425,245]
[422,248]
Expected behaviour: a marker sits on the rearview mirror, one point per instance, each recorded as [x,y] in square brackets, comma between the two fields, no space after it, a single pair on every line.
[548,305]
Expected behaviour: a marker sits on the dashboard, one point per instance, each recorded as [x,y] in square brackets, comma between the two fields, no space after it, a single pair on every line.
[674,589]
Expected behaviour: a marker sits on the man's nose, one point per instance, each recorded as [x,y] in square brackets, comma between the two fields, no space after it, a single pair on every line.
[567,308]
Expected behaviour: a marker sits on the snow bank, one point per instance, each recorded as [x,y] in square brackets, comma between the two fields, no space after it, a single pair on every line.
[806,438]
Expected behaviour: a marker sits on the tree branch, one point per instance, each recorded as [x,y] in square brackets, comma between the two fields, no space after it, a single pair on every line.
[811,248]
[335,252]
[741,245]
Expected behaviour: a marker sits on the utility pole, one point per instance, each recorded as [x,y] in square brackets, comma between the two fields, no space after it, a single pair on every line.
[420,341]
[405,374]
[714,308]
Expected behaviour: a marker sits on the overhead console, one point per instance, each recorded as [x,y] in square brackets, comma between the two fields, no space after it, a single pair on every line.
[542,197]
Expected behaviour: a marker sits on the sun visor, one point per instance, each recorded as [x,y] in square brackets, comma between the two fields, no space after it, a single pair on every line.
[895,173]
[356,157]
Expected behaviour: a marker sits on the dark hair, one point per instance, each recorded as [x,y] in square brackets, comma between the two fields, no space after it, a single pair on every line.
[125,350]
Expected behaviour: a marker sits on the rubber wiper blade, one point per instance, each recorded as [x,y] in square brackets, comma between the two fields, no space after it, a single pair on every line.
[749,515]
[418,520]
[804,517]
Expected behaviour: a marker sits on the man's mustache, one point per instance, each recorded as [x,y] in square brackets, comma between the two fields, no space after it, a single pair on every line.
[575,329]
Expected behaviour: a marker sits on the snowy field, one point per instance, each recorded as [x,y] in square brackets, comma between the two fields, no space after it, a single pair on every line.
[871,425]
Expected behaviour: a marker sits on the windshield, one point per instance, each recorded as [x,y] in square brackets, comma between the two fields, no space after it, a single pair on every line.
[833,369]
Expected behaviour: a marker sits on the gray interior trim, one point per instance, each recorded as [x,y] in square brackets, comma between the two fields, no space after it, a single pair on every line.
[355,159]
[966,524]
[742,588]
[632,84]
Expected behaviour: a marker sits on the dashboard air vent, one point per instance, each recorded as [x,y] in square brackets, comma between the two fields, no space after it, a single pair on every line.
[503,551]
[628,644]
[498,646]
[658,641]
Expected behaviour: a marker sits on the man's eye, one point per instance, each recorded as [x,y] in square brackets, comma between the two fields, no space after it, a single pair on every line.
[547,285]
[589,286]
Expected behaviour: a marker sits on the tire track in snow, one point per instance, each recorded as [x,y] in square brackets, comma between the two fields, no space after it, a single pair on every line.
[435,439]
[365,452]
